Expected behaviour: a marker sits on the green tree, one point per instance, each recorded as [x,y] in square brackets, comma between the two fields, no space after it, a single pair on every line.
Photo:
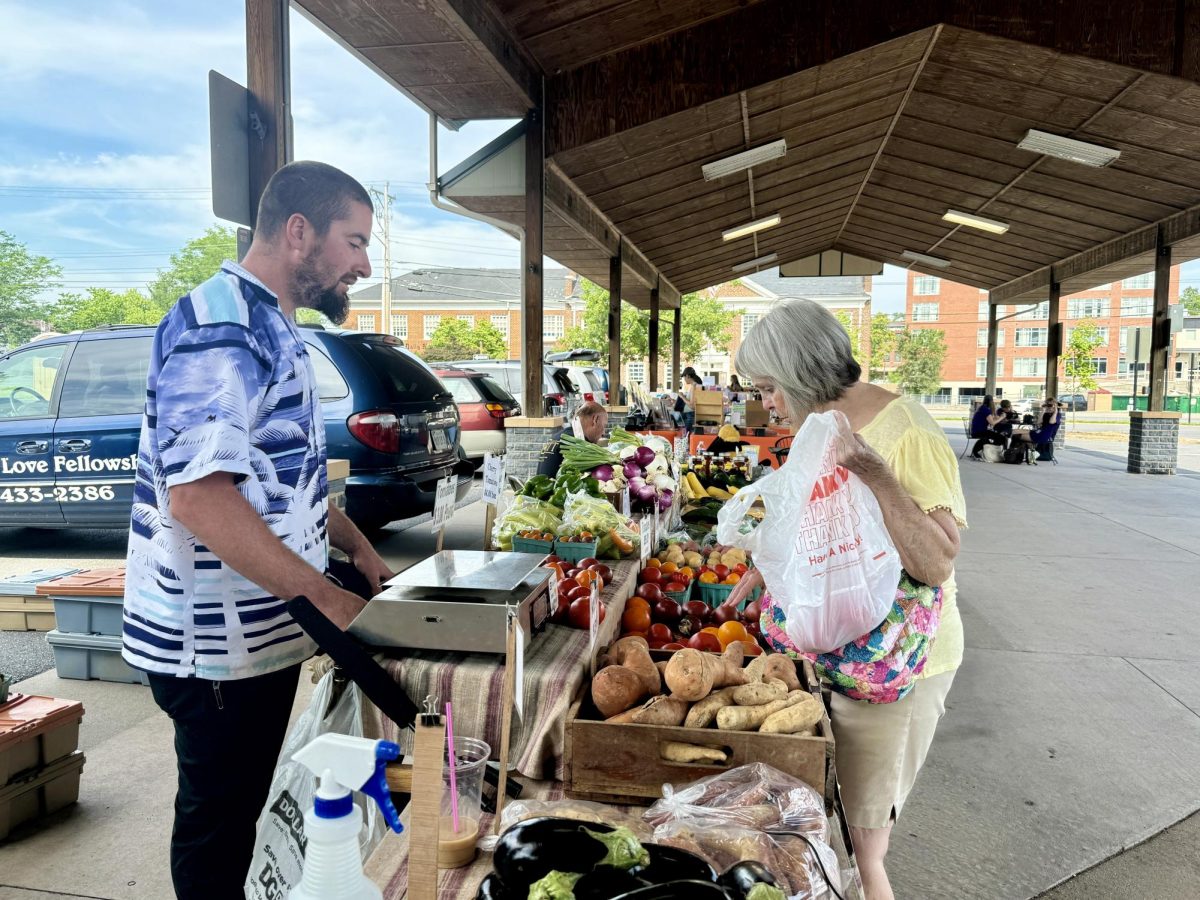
[198,261]
[852,331]
[883,342]
[100,306]
[1190,298]
[456,339]
[1077,357]
[922,352]
[592,331]
[23,276]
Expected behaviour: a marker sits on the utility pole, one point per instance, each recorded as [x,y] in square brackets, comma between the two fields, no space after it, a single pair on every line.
[383,215]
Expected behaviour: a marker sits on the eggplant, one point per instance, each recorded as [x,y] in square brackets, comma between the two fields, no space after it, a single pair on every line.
[672,864]
[530,850]
[740,881]
[606,882]
[678,890]
[492,888]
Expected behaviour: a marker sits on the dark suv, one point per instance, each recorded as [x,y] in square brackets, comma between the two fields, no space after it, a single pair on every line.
[71,413]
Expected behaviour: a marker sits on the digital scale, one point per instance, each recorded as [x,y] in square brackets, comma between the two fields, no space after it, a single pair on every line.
[457,600]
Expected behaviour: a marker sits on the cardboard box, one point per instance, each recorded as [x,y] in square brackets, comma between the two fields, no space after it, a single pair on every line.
[756,414]
[709,406]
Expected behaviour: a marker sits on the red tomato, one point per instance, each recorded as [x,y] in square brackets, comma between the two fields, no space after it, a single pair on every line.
[655,643]
[579,615]
[660,632]
[705,640]
[578,593]
[667,610]
[697,608]
[675,587]
[650,576]
[723,614]
[741,568]
[603,571]
[567,584]
[588,562]
[636,620]
[674,645]
[651,593]
[720,571]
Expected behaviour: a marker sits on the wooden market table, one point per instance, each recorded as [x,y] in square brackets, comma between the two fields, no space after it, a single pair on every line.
[764,443]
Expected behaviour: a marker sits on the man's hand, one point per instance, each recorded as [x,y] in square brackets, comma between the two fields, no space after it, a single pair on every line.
[372,567]
[339,606]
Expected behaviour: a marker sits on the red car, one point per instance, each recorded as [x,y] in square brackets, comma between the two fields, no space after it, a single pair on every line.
[483,405]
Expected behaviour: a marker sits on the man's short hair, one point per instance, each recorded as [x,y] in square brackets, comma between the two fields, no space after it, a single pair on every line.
[589,409]
[315,190]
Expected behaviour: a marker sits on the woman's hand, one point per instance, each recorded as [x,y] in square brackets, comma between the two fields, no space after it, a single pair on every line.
[857,455]
[741,591]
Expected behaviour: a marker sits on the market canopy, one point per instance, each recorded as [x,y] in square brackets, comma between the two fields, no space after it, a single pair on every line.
[892,116]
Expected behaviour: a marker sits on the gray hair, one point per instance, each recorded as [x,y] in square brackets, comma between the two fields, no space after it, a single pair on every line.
[805,351]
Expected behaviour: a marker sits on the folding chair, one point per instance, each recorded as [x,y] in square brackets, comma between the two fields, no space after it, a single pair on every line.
[967,431]
[781,447]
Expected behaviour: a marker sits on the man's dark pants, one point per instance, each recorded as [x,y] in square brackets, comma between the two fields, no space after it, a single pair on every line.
[228,735]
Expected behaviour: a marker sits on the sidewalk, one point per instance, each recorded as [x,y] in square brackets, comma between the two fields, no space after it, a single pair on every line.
[1072,731]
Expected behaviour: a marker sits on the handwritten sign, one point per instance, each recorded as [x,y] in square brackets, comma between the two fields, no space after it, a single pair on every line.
[493,478]
[443,504]
[519,675]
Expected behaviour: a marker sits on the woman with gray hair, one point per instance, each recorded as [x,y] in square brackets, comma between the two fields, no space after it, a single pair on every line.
[799,357]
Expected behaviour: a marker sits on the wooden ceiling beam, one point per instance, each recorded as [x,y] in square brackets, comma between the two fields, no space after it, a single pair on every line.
[488,34]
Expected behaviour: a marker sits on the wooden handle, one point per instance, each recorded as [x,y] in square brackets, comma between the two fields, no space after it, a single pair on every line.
[399,778]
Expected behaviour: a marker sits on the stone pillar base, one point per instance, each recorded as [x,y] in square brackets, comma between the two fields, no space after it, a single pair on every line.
[1153,442]
[527,441]
[617,416]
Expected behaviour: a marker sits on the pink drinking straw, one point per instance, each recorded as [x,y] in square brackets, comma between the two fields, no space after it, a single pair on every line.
[453,768]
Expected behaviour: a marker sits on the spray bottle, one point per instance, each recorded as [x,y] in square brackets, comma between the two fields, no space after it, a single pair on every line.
[332,862]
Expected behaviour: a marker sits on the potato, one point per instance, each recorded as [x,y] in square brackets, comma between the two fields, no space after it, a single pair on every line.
[690,674]
[702,714]
[759,693]
[783,667]
[796,718]
[615,689]
[661,710]
[693,559]
[633,653]
[675,751]
[749,718]
[754,671]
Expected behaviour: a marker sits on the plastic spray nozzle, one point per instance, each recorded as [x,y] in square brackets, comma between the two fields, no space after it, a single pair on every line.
[345,764]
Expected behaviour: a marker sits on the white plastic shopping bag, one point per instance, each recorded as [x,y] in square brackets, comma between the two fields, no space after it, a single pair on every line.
[826,557]
[279,842]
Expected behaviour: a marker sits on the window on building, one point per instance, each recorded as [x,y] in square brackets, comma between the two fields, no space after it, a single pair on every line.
[430,325]
[1100,365]
[1139,282]
[1029,367]
[1101,333]
[1031,337]
[636,372]
[1037,311]
[926,286]
[400,327]
[983,310]
[365,324]
[981,367]
[981,337]
[925,312]
[501,324]
[1123,367]
[1132,307]
[1088,308]
[553,327]
[667,383]
[466,317]
[749,320]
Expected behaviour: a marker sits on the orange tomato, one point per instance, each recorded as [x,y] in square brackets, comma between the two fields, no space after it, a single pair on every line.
[731,631]
[708,578]
[731,579]
[586,577]
[652,563]
[752,648]
[686,570]
[636,619]
[712,629]
[669,568]
[636,602]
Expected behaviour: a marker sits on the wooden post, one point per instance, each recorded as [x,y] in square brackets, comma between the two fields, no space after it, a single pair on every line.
[614,327]
[653,340]
[532,325]
[429,747]
[268,80]
[1054,340]
[506,711]
[993,339]
[676,335]
[1160,329]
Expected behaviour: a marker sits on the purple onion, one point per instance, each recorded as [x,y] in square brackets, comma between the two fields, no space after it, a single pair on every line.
[603,473]
[633,470]
[646,493]
[644,456]
[664,500]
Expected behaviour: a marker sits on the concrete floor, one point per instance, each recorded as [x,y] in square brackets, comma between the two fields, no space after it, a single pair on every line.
[1072,733]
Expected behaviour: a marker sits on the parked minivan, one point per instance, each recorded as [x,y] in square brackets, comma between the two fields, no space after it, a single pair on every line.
[71,415]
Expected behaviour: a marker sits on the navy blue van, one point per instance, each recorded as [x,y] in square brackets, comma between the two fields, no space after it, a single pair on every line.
[71,413]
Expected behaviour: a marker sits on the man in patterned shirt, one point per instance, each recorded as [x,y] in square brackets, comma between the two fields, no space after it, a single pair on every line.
[231,515]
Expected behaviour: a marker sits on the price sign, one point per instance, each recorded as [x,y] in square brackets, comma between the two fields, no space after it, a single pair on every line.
[519,662]
[443,504]
[646,540]
[680,448]
[625,503]
[493,478]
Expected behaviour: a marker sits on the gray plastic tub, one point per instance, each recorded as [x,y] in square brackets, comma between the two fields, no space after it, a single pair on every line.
[25,584]
[88,615]
[92,656]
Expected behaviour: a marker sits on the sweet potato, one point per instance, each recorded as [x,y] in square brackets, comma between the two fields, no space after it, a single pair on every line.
[783,667]
[754,671]
[661,710]
[661,665]
[702,714]
[690,674]
[615,689]
[729,666]
[796,718]
[675,751]
[633,653]
[759,693]
[748,718]
[625,718]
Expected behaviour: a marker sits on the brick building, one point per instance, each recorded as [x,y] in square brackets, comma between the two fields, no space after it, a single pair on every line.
[961,314]
[422,298]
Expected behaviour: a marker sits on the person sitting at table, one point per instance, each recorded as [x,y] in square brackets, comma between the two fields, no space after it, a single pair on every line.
[1042,437]
[590,423]
[1005,425]
[983,426]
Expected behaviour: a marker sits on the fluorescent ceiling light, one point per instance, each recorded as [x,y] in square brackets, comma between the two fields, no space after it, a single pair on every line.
[962,218]
[751,227]
[928,260]
[744,160]
[756,263]
[1068,148]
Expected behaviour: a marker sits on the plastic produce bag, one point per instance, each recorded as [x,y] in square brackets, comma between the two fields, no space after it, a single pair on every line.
[524,514]
[279,843]
[616,538]
[834,574]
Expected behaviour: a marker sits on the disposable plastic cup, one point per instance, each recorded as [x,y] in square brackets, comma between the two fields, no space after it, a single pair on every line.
[457,848]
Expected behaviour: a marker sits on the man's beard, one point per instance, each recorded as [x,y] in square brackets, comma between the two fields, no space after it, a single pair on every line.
[308,292]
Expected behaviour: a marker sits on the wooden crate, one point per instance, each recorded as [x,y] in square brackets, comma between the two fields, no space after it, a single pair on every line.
[621,763]
[709,406]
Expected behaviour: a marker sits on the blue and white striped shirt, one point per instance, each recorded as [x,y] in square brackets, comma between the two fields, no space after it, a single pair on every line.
[230,389]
